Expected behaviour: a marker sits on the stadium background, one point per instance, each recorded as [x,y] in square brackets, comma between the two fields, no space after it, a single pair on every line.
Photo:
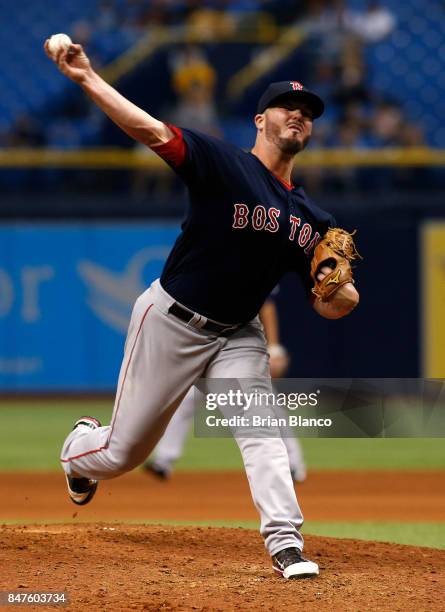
[87,218]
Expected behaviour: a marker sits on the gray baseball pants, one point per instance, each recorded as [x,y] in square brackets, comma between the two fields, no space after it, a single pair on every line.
[163,358]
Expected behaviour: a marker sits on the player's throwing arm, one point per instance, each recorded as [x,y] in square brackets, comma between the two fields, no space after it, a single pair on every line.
[73,62]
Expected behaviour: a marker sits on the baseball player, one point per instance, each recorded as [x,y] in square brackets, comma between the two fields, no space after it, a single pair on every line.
[171,445]
[246,225]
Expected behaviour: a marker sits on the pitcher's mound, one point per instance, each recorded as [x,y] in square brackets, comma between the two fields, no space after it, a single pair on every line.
[122,567]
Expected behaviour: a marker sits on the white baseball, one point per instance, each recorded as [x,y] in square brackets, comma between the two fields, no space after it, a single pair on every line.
[57,42]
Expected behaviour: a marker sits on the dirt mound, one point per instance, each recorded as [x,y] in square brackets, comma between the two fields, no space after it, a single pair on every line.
[124,567]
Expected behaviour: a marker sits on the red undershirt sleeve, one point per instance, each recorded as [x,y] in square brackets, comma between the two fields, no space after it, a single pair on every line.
[173,151]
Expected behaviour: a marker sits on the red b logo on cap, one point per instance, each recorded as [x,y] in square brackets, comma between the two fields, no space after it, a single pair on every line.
[296,86]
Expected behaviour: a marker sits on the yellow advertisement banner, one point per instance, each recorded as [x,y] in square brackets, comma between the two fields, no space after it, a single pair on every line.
[433,299]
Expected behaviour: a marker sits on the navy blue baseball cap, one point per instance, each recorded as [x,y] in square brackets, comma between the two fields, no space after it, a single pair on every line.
[293,88]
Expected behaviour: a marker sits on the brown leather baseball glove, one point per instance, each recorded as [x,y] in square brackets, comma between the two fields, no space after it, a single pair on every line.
[336,250]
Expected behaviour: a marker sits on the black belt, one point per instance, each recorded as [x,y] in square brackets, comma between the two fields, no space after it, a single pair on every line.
[187,315]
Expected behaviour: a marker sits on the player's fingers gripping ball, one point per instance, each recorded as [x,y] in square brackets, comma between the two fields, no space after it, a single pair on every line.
[59,42]
[335,251]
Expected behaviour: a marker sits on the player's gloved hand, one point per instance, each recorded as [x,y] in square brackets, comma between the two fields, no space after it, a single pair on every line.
[330,266]
[72,62]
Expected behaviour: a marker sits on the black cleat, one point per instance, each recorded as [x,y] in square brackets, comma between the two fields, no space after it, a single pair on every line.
[290,564]
[156,470]
[81,490]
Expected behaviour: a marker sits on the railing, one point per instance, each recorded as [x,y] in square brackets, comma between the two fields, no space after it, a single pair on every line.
[127,159]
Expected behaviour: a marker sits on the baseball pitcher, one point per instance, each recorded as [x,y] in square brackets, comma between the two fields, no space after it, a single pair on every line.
[247,225]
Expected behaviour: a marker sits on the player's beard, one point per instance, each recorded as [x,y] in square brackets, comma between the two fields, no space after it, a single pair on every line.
[288,146]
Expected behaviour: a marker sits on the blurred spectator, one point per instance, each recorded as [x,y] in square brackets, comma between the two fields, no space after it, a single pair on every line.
[25,132]
[210,24]
[189,66]
[349,136]
[352,85]
[386,124]
[81,33]
[322,16]
[107,18]
[193,80]
[412,136]
[374,24]
[324,79]
[354,115]
[196,110]
[330,16]
[141,14]
[328,37]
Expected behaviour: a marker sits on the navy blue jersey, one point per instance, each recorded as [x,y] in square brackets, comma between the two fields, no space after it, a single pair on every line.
[244,229]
